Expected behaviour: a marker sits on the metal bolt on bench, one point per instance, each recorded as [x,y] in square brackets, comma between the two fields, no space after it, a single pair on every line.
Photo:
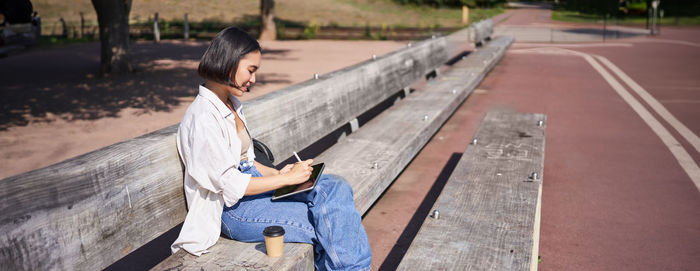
[514,244]
[540,123]
[315,75]
[436,214]
[474,141]
[534,176]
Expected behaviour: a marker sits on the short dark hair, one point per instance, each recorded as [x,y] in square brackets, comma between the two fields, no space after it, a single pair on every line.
[220,62]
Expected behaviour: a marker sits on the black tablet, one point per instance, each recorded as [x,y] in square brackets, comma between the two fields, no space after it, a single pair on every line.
[298,188]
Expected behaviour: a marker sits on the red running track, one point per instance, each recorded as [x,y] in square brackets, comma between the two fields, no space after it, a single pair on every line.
[614,196]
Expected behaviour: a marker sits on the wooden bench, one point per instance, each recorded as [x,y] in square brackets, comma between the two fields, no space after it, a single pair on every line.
[92,210]
[489,210]
[371,157]
[481,32]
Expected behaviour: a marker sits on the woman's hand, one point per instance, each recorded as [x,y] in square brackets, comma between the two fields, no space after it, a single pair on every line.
[290,174]
[286,169]
[298,172]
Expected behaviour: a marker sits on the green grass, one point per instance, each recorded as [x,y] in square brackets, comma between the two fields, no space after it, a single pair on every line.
[356,13]
[577,17]
[51,41]
[210,16]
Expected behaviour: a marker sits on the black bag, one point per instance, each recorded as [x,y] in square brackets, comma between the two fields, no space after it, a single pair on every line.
[263,154]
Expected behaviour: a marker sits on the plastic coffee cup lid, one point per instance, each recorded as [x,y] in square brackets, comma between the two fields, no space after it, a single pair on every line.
[273,231]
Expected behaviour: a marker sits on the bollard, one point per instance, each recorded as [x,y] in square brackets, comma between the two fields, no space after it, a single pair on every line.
[605,26]
[64,29]
[465,14]
[658,26]
[654,7]
[156,31]
[648,17]
[186,28]
[82,25]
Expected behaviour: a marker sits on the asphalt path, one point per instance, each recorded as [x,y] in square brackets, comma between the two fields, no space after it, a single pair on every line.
[621,178]
[615,195]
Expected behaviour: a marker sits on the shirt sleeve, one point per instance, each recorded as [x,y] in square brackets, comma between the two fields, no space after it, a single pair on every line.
[211,162]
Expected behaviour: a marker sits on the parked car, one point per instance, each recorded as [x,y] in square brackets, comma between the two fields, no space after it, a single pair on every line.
[19,24]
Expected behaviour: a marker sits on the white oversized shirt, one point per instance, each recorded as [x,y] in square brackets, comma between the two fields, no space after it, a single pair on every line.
[210,149]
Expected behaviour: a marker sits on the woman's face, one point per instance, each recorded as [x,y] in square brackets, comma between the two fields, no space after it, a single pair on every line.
[245,75]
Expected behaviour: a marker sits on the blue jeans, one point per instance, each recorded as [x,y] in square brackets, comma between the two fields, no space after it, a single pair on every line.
[325,216]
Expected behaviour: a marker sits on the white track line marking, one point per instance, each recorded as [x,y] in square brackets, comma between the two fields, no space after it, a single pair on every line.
[681,155]
[654,104]
[679,101]
[543,50]
[679,42]
[575,45]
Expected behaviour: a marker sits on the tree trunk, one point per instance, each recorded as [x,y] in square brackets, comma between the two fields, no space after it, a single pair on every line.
[113,20]
[267,14]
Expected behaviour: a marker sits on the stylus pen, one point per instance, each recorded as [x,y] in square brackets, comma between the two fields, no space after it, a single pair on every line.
[297,156]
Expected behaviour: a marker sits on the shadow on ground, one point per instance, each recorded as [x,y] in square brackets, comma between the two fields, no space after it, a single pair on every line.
[46,84]
[397,253]
[610,33]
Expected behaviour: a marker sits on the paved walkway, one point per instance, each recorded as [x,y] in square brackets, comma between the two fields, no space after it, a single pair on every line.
[533,23]
[620,185]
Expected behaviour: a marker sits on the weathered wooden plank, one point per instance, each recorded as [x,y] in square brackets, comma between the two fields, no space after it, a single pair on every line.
[393,138]
[488,207]
[295,117]
[89,211]
[231,255]
[481,31]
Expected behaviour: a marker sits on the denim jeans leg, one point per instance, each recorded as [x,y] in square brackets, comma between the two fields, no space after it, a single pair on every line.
[325,217]
[245,220]
[338,226]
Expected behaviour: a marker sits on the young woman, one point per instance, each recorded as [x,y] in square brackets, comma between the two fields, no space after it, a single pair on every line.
[227,191]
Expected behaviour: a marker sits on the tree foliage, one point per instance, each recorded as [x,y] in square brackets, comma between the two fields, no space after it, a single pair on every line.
[615,7]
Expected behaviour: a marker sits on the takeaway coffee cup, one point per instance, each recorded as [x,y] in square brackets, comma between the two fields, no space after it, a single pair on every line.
[274,240]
